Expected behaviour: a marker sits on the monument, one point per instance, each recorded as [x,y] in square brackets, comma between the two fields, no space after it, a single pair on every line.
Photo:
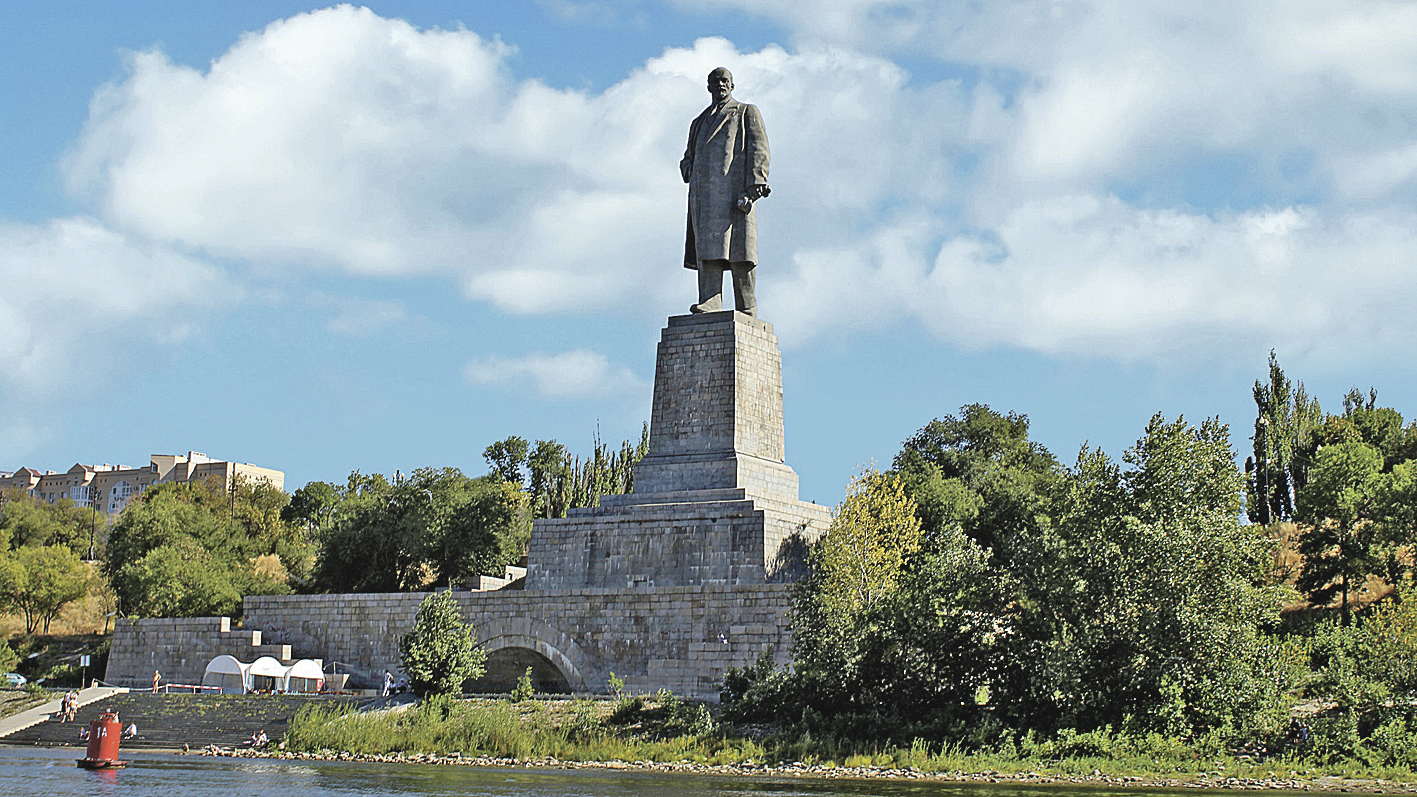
[714,501]
[666,586]
[726,167]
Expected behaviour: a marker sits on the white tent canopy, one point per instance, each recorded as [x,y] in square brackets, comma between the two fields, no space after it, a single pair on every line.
[306,675]
[265,674]
[228,674]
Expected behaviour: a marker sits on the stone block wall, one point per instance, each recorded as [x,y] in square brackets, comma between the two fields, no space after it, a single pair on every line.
[652,638]
[713,501]
[180,649]
[717,398]
[730,540]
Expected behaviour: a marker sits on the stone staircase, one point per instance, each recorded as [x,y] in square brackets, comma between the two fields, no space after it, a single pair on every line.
[169,721]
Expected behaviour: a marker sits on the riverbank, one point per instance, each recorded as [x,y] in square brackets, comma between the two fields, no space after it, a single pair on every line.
[800,769]
[663,734]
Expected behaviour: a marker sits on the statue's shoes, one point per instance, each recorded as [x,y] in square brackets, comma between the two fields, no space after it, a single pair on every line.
[706,307]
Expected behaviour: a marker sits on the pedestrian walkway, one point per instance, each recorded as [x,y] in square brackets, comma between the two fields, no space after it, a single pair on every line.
[47,711]
[166,722]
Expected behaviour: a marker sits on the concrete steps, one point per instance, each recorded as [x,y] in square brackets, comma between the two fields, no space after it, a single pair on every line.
[169,721]
[50,710]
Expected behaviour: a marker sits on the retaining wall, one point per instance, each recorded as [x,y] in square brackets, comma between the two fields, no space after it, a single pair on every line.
[679,638]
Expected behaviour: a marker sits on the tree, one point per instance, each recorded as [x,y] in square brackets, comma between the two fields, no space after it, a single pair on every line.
[312,505]
[435,528]
[222,530]
[1285,424]
[1387,642]
[480,532]
[1123,594]
[440,653]
[40,580]
[858,561]
[550,466]
[1153,594]
[855,569]
[27,520]
[506,457]
[1341,544]
[978,470]
[179,579]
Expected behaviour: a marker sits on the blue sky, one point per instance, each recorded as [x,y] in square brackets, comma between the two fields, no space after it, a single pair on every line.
[332,238]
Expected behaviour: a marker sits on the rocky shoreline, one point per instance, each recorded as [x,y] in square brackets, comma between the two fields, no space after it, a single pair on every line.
[801,770]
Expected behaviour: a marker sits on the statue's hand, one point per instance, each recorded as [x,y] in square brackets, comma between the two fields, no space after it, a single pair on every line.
[745,203]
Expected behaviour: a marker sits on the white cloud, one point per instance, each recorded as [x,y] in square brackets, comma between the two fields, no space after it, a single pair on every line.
[74,296]
[358,317]
[1126,178]
[344,140]
[572,374]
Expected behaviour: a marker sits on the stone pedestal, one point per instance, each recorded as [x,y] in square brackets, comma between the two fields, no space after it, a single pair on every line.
[714,502]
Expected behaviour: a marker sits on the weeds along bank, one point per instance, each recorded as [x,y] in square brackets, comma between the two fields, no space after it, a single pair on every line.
[662,729]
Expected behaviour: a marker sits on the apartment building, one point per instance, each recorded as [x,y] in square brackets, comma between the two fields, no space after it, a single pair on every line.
[111,487]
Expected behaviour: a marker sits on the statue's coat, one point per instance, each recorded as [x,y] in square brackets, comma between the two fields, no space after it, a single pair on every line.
[727,154]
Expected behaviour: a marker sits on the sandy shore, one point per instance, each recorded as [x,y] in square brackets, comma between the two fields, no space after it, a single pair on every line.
[800,770]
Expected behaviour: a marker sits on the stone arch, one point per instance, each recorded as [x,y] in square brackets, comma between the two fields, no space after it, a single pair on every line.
[554,647]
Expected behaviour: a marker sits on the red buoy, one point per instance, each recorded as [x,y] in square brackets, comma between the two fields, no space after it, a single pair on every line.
[105,732]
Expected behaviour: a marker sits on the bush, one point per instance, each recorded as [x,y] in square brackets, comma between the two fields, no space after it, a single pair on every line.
[439,654]
[523,690]
[758,693]
[9,659]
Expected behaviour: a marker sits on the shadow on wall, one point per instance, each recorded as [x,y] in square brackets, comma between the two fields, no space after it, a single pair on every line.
[790,562]
[506,665]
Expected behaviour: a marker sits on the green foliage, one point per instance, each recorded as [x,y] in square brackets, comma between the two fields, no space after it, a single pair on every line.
[38,581]
[1387,643]
[438,527]
[179,579]
[1284,439]
[616,684]
[856,569]
[312,506]
[1154,596]
[570,730]
[29,521]
[560,481]
[506,458]
[1341,544]
[978,471]
[439,653]
[523,691]
[191,549]
[1044,598]
[759,692]
[9,659]
[435,528]
[857,564]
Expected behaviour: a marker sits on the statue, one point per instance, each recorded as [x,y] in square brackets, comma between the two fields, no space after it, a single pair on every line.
[726,167]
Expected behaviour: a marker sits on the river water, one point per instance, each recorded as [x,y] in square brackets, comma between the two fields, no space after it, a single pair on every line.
[43,771]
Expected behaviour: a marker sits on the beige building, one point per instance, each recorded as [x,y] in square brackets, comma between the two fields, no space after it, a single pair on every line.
[111,487]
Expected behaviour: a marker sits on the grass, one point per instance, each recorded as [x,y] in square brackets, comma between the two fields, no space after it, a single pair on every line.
[579,730]
[664,730]
[13,701]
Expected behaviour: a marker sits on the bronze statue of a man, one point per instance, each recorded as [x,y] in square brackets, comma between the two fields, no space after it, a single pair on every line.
[726,167]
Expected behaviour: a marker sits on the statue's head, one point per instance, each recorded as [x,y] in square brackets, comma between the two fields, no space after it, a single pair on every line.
[720,84]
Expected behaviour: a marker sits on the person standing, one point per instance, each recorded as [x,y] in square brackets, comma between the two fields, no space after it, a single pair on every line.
[157,679]
[726,167]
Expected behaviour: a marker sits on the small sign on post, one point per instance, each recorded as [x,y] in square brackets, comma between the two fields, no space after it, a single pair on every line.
[84,675]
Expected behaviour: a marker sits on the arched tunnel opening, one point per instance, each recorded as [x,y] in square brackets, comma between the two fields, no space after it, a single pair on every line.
[506,665]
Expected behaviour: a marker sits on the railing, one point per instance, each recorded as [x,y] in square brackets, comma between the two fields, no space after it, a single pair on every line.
[167,688]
